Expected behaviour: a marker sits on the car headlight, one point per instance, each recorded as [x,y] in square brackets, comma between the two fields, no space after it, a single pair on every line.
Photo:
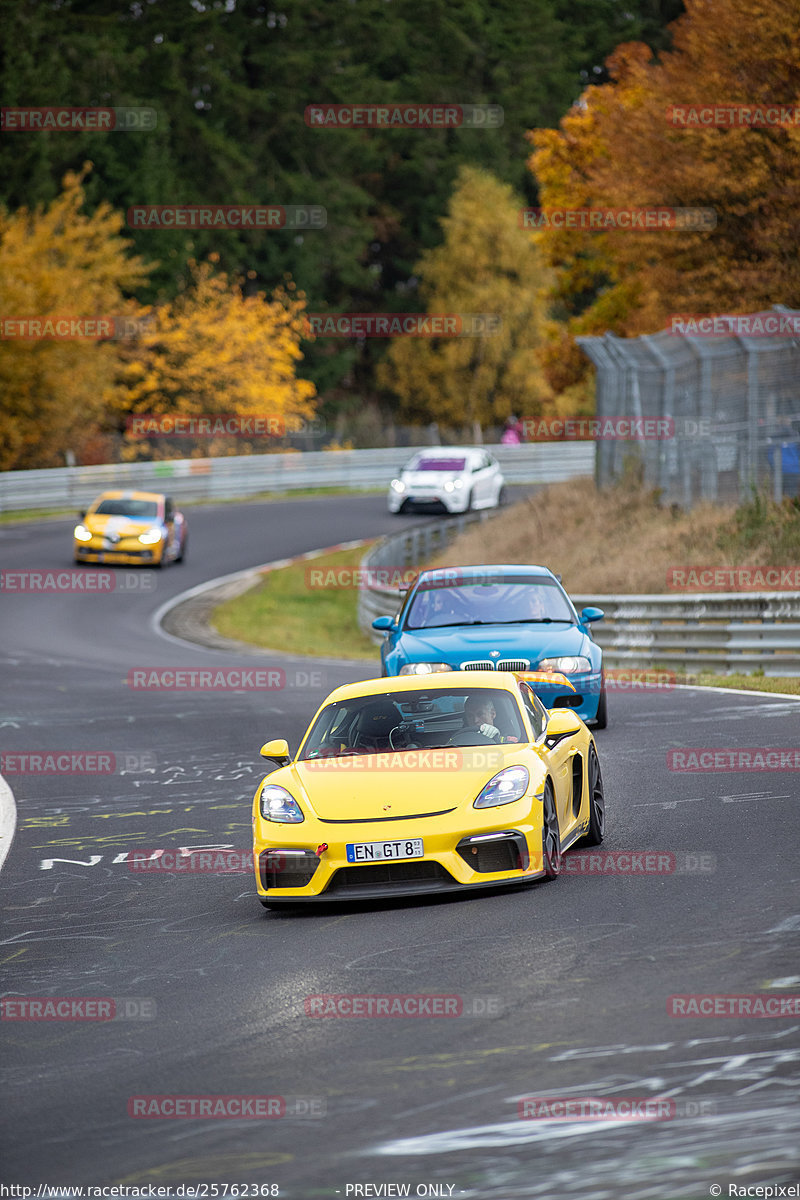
[508,785]
[397,485]
[150,537]
[572,664]
[82,534]
[452,484]
[278,805]
[423,668]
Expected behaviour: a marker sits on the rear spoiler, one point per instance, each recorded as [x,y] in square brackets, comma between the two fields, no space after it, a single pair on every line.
[551,678]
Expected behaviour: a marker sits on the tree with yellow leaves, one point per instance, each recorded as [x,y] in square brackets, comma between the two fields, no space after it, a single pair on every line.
[487,264]
[624,145]
[217,351]
[58,265]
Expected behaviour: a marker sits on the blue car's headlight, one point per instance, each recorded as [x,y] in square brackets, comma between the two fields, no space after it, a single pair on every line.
[571,664]
[507,786]
[424,668]
[277,804]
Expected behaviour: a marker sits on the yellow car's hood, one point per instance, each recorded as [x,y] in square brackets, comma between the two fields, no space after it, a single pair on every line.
[105,524]
[403,783]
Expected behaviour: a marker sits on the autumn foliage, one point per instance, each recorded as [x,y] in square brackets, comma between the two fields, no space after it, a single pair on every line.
[58,262]
[486,264]
[212,350]
[617,148]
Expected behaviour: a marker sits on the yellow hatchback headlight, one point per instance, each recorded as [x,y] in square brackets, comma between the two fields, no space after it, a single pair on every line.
[150,537]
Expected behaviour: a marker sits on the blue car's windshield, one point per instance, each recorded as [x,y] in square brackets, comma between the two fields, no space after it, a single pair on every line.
[498,600]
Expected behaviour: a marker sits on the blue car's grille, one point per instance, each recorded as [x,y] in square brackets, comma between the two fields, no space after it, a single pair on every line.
[504,664]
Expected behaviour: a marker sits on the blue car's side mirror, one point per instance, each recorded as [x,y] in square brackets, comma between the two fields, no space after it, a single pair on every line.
[591,614]
[383,624]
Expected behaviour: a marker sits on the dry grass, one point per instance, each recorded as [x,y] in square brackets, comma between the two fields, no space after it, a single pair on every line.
[615,541]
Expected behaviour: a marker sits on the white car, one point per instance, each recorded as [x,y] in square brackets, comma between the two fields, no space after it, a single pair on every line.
[456,478]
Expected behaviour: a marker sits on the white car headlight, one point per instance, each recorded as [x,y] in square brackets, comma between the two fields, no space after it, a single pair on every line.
[397,485]
[452,484]
[82,534]
[277,804]
[507,786]
[150,537]
[424,668]
[573,664]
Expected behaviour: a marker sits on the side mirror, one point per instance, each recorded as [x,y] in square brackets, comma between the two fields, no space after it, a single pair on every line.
[383,624]
[561,723]
[591,614]
[277,750]
[81,514]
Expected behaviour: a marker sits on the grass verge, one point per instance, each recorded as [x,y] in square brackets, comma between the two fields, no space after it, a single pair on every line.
[746,683]
[619,541]
[286,613]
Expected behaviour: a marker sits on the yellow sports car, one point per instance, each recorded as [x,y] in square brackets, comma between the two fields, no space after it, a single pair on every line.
[129,528]
[426,784]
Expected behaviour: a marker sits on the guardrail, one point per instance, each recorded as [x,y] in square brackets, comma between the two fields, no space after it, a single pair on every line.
[189,479]
[721,632]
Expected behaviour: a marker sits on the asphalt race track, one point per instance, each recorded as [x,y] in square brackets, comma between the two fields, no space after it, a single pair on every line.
[568,981]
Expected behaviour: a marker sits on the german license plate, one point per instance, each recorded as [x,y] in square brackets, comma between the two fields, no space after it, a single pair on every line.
[363,852]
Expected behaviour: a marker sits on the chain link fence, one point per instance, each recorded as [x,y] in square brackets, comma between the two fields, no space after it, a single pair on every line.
[729,388]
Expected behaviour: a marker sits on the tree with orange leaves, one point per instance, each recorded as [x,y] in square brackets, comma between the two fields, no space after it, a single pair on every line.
[646,140]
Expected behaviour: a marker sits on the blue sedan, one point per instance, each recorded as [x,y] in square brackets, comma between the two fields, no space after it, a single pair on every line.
[498,618]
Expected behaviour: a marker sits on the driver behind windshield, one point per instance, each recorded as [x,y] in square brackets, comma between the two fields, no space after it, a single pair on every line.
[479,716]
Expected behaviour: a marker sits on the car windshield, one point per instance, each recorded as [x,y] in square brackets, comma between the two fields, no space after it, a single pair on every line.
[498,600]
[414,720]
[436,464]
[127,508]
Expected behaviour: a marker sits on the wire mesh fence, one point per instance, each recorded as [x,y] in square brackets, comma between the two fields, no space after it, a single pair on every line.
[728,388]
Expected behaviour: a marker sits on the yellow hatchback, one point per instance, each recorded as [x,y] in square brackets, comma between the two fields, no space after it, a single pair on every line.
[130,528]
[426,784]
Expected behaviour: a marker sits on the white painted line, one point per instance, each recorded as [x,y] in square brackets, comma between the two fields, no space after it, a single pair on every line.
[8,819]
[705,687]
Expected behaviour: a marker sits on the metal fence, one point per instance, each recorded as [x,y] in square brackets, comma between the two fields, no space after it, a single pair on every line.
[248,475]
[687,634]
[733,402]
